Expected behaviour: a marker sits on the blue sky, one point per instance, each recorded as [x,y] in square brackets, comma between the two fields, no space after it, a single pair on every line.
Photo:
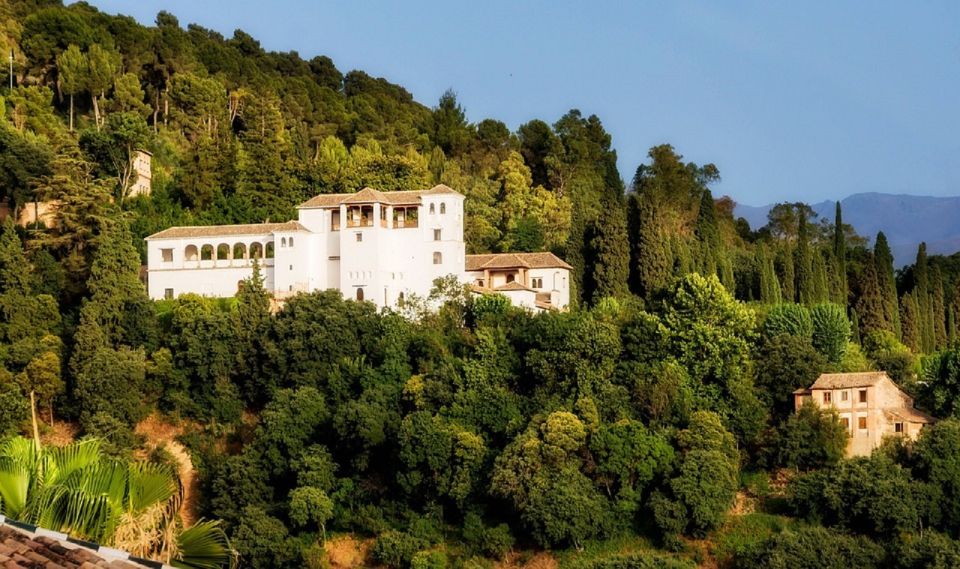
[807,101]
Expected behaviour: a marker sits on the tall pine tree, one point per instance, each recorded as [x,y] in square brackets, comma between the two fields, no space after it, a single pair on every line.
[803,263]
[883,260]
[840,259]
[652,263]
[870,304]
[611,252]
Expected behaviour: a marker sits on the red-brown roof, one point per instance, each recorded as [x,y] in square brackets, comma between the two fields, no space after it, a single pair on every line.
[848,380]
[370,195]
[514,286]
[24,549]
[226,230]
[543,260]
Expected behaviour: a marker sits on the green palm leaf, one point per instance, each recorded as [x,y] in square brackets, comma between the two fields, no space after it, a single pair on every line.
[203,546]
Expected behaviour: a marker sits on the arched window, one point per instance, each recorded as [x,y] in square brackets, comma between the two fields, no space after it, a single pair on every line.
[290,242]
[437,258]
[283,241]
[510,278]
[443,208]
[269,249]
[239,251]
[433,209]
[190,253]
[206,253]
[359,294]
[256,251]
[400,297]
[223,252]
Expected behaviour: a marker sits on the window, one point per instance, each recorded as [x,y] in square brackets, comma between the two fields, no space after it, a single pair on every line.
[827,397]
[359,237]
[437,257]
[269,250]
[443,208]
[843,395]
[283,242]
[436,235]
[190,252]
[166,255]
[861,423]
[863,396]
[898,427]
[537,282]
[290,242]
[291,267]
[400,297]
[359,294]
[846,422]
[223,252]
[433,209]
[335,220]
[168,293]
[206,253]
[511,278]
[480,282]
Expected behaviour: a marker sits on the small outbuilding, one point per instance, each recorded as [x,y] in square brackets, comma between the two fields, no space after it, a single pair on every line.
[871,406]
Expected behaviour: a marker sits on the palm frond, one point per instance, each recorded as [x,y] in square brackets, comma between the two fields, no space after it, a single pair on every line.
[203,546]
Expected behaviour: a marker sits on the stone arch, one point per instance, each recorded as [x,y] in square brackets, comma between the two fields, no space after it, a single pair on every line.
[191,253]
[269,254]
[223,252]
[256,250]
[240,251]
[206,252]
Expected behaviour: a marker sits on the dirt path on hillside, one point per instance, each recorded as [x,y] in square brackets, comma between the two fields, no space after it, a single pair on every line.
[159,433]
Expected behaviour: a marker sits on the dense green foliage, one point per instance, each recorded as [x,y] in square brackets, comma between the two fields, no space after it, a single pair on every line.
[476,429]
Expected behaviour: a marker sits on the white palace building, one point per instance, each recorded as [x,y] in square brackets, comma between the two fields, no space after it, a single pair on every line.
[376,246]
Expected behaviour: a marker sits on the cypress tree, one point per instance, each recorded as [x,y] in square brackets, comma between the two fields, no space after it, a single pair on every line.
[14,276]
[870,304]
[840,258]
[708,235]
[575,254]
[821,287]
[769,285]
[883,259]
[921,293]
[953,322]
[787,274]
[804,263]
[938,309]
[652,262]
[611,252]
[682,258]
[910,321]
[726,274]
[855,327]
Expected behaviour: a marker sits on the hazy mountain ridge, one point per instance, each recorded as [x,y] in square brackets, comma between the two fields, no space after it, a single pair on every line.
[906,220]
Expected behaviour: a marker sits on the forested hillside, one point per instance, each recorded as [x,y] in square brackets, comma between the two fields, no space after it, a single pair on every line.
[651,426]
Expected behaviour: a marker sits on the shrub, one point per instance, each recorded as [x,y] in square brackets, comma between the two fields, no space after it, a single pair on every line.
[397,549]
[811,548]
[638,560]
[788,320]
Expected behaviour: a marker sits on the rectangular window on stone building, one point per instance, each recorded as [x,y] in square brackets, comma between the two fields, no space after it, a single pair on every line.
[898,428]
[827,397]
[843,395]
[862,423]
[863,396]
[846,423]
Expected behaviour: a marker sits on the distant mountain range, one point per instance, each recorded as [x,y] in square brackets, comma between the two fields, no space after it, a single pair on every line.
[905,220]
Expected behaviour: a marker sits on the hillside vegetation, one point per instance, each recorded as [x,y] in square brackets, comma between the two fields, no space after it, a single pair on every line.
[630,432]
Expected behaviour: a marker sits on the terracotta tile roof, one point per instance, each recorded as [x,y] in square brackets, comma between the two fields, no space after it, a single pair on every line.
[543,260]
[24,546]
[226,230]
[909,415]
[845,380]
[514,286]
[370,195]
